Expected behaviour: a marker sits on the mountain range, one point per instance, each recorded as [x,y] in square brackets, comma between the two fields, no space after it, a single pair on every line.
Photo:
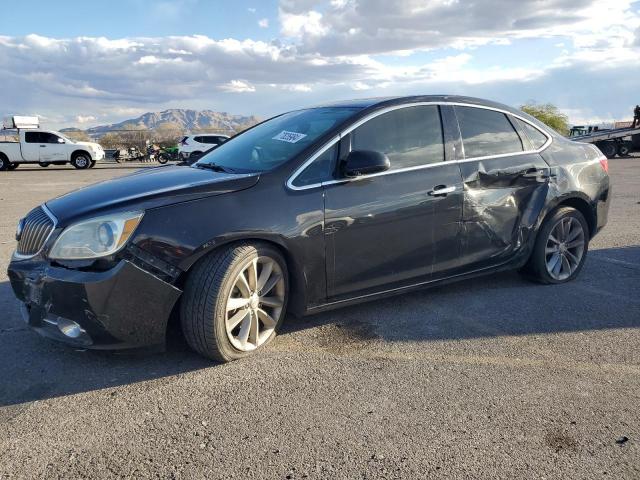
[186,120]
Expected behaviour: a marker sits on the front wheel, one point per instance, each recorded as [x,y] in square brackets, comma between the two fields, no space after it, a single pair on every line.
[81,161]
[561,247]
[234,301]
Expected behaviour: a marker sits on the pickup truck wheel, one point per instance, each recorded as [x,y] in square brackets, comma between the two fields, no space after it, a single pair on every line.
[93,164]
[45,164]
[4,163]
[81,161]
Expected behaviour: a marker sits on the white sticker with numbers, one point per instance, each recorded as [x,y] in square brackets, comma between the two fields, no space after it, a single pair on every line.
[290,137]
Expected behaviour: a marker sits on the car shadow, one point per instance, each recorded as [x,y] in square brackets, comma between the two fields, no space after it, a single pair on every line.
[605,296]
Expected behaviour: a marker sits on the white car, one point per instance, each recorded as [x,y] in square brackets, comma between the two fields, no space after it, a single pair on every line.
[198,144]
[46,147]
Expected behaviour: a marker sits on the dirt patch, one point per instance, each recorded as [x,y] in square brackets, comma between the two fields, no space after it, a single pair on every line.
[561,442]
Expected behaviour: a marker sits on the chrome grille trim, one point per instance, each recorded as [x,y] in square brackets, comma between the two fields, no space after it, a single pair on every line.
[39,224]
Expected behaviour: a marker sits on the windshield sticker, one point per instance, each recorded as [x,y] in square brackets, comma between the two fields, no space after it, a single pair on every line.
[290,137]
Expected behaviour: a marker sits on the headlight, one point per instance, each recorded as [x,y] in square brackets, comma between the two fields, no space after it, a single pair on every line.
[97,237]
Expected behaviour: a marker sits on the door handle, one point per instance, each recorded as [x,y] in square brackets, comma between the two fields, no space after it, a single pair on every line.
[541,173]
[441,191]
[43,146]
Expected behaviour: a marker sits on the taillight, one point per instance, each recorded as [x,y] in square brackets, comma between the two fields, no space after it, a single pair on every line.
[604,163]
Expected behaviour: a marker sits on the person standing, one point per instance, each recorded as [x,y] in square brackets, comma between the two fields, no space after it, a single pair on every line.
[636,117]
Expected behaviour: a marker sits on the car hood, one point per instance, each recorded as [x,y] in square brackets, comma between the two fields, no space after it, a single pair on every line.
[89,144]
[149,188]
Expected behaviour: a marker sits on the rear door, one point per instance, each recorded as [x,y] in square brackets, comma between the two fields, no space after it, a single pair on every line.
[31,146]
[505,185]
[383,231]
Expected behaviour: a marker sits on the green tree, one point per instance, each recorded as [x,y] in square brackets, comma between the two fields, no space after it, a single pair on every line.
[548,114]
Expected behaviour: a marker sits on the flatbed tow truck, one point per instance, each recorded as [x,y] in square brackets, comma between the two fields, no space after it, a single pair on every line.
[611,142]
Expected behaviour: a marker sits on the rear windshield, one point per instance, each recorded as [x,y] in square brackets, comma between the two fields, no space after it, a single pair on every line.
[9,136]
[276,141]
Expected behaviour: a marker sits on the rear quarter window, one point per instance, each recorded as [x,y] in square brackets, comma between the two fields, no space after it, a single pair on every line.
[487,132]
[536,137]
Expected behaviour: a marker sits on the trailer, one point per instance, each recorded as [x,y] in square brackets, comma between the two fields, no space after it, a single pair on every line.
[611,142]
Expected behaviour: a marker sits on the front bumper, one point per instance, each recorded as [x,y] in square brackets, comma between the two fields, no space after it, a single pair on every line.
[124,307]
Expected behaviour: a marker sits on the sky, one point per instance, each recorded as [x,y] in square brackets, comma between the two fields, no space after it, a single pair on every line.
[81,63]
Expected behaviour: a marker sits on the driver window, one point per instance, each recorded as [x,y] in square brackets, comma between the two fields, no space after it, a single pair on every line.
[46,137]
[410,136]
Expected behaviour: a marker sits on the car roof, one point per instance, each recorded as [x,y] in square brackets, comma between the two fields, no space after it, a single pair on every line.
[379,102]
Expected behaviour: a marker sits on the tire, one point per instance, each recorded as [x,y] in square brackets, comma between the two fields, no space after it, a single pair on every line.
[4,163]
[162,159]
[214,287]
[45,164]
[609,149]
[624,149]
[541,266]
[81,161]
[93,164]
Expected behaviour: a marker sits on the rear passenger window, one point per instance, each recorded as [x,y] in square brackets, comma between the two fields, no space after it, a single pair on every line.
[486,132]
[536,137]
[32,137]
[410,136]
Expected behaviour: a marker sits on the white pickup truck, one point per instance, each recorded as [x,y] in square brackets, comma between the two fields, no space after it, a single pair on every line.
[44,147]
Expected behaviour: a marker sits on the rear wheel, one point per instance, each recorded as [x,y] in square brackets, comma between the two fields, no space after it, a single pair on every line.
[624,149]
[81,161]
[608,148]
[4,163]
[561,247]
[234,301]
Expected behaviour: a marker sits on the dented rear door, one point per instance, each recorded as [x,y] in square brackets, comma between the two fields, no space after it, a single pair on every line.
[504,193]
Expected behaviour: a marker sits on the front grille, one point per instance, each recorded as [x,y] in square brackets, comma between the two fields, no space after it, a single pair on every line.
[37,226]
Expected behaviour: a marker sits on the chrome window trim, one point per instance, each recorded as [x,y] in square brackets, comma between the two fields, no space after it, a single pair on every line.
[53,218]
[392,108]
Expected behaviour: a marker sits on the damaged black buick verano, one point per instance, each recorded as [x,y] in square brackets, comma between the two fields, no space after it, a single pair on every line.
[313,209]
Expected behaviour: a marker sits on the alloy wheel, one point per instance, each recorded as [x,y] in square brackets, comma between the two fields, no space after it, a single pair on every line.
[255,303]
[564,248]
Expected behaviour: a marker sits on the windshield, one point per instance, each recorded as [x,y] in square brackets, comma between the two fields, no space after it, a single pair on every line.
[275,141]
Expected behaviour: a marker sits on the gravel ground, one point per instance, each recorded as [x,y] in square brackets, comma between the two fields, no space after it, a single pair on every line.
[489,378]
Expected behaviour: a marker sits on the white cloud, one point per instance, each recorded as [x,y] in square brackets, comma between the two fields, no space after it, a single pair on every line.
[238,86]
[251,10]
[86,119]
[263,23]
[304,24]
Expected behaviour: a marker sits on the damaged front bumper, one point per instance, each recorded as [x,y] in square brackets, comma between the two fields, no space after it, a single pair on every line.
[124,307]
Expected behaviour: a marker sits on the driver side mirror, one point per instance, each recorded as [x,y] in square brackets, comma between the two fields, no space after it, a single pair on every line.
[365,162]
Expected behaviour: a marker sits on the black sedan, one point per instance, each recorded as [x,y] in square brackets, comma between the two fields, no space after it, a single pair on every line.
[310,210]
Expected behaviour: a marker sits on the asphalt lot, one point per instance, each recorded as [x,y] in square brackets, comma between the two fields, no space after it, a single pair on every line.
[489,378]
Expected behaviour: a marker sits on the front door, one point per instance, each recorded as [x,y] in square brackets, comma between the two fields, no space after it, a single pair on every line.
[52,148]
[385,229]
